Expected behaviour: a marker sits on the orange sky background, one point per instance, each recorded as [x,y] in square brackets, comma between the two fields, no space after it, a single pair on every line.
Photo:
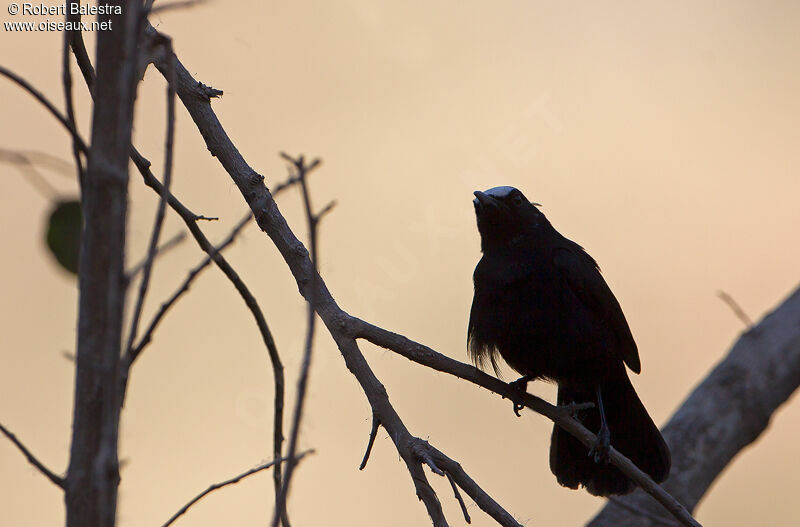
[662,136]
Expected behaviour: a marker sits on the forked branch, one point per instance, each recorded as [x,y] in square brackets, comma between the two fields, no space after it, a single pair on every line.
[345,329]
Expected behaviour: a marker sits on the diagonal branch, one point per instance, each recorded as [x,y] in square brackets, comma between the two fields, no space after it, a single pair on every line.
[736,308]
[25,85]
[191,219]
[134,351]
[457,496]
[235,479]
[727,411]
[561,416]
[195,97]
[162,206]
[458,476]
[160,250]
[70,105]
[373,432]
[341,325]
[302,170]
[49,474]
[77,44]
[338,323]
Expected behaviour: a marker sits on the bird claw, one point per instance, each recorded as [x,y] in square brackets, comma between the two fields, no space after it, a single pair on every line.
[520,386]
[602,447]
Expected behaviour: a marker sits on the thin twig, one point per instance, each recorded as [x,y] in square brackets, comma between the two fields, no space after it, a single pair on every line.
[196,99]
[342,327]
[134,351]
[302,170]
[736,308]
[49,474]
[162,205]
[455,471]
[458,497]
[421,450]
[70,105]
[25,85]
[160,250]
[376,423]
[559,415]
[236,479]
[78,45]
[191,219]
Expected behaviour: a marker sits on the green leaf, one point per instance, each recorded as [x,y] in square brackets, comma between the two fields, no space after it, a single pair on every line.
[64,233]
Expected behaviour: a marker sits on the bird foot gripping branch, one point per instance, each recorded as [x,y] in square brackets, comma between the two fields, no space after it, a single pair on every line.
[601,451]
[520,386]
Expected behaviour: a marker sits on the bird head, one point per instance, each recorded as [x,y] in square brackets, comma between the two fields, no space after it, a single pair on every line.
[505,216]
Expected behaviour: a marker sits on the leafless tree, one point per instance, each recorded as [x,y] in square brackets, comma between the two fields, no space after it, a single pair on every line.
[728,410]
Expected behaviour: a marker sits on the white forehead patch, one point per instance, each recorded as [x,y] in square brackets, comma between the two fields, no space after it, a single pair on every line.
[500,192]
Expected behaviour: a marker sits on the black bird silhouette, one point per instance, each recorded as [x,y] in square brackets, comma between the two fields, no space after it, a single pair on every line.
[542,304]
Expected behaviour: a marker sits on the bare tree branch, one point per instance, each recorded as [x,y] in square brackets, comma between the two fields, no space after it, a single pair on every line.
[561,416]
[49,474]
[727,411]
[78,46]
[162,205]
[458,497]
[196,99]
[69,103]
[93,474]
[457,474]
[161,249]
[191,219]
[742,421]
[134,351]
[657,520]
[79,49]
[736,308]
[236,479]
[301,170]
[25,85]
[376,423]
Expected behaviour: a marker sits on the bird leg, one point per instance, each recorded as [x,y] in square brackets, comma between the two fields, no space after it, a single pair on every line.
[520,387]
[601,447]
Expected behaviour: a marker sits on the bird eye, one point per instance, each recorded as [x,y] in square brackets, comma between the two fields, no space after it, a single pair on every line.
[517,200]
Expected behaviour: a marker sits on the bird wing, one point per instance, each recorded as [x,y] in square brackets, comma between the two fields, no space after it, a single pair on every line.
[481,352]
[582,276]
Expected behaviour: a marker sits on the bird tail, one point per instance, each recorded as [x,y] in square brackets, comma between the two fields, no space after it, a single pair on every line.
[633,433]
